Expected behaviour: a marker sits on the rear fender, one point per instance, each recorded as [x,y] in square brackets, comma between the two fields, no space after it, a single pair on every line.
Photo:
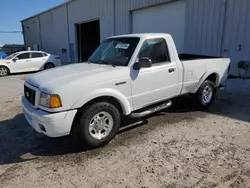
[204,77]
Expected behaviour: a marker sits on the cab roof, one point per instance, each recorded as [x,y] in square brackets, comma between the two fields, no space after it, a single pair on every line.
[142,35]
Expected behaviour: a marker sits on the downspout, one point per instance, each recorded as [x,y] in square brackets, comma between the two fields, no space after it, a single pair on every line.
[24,37]
[224,11]
[40,33]
[67,12]
[114,2]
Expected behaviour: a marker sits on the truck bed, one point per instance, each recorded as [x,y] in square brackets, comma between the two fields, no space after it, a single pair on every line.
[187,57]
[198,67]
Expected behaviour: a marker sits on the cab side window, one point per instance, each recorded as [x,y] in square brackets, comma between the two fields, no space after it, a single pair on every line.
[156,50]
[24,56]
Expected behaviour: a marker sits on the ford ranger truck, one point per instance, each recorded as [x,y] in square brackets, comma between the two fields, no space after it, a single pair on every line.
[132,75]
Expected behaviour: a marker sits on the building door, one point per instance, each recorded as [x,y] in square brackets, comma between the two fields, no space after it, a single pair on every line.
[88,39]
[236,33]
[164,18]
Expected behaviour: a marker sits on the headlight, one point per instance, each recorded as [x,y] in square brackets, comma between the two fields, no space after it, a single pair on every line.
[50,101]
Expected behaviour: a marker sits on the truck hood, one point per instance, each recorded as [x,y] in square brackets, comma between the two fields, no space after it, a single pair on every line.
[82,73]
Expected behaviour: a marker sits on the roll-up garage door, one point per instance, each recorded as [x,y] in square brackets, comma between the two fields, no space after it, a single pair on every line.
[163,18]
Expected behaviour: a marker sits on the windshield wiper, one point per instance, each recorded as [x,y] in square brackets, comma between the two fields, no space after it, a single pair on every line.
[106,62]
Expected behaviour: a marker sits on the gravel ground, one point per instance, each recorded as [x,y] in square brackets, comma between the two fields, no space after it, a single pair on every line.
[178,147]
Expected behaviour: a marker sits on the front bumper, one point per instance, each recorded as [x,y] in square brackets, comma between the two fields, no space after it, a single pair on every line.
[50,124]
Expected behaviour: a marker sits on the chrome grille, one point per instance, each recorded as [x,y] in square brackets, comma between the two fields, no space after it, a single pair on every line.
[30,95]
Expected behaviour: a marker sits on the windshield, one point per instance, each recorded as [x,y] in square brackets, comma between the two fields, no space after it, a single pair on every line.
[115,51]
[11,56]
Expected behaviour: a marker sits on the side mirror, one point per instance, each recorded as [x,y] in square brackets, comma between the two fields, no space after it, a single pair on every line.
[143,62]
[15,59]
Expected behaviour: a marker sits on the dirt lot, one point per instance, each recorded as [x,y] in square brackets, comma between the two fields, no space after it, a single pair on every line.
[179,147]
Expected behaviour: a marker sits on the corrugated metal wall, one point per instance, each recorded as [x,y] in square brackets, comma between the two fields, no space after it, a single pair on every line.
[213,27]
[236,35]
[204,26]
[87,10]
[53,39]
[55,29]
[80,11]
[204,22]
[31,29]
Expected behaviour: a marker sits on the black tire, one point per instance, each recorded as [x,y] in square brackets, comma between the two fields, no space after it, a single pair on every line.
[81,132]
[4,71]
[200,95]
[49,66]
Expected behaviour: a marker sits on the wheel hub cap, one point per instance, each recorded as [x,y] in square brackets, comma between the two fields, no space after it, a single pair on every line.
[207,94]
[101,125]
[3,71]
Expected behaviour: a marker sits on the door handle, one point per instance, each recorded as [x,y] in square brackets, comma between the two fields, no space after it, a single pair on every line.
[171,70]
[27,60]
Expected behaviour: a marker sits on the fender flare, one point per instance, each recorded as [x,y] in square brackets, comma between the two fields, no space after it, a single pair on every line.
[204,77]
[105,92]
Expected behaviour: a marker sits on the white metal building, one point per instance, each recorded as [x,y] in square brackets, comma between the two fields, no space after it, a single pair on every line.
[206,27]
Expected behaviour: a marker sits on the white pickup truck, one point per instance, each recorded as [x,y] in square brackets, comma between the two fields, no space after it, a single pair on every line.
[132,75]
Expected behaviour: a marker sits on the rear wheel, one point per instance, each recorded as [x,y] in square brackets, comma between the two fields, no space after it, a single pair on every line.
[49,66]
[206,94]
[98,125]
[4,71]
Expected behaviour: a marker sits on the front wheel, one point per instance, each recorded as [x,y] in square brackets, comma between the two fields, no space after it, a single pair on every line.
[206,94]
[4,71]
[98,125]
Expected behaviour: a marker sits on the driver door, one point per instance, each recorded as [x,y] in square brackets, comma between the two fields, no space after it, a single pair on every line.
[156,83]
[22,63]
